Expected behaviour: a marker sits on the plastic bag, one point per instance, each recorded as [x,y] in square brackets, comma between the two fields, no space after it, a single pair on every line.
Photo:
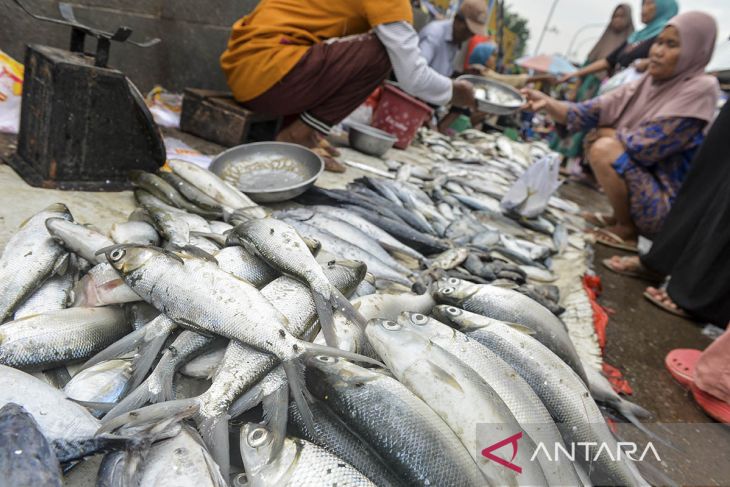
[626,76]
[177,149]
[11,90]
[165,107]
[530,194]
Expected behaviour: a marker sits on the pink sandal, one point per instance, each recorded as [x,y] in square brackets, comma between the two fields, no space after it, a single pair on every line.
[715,408]
[681,365]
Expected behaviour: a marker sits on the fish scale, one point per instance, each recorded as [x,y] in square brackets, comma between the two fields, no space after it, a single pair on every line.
[29,258]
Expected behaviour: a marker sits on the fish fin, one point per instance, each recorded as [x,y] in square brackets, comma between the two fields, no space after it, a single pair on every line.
[214,433]
[246,402]
[344,306]
[156,413]
[98,406]
[134,400]
[626,407]
[192,250]
[276,414]
[521,328]
[444,376]
[61,265]
[313,348]
[294,370]
[326,317]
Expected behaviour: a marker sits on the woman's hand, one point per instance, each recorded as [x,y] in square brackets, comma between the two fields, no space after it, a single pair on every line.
[536,100]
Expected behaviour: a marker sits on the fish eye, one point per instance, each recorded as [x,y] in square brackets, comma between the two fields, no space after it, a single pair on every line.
[419,319]
[453,281]
[447,290]
[390,325]
[326,359]
[258,437]
[117,254]
[453,311]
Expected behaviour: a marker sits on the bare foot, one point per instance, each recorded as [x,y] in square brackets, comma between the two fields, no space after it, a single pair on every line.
[300,133]
[331,150]
[627,233]
[630,263]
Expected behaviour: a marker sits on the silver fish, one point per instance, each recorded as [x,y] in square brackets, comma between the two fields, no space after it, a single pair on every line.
[417,445]
[105,382]
[51,339]
[562,392]
[30,257]
[513,307]
[283,248]
[299,464]
[79,239]
[102,286]
[57,416]
[56,293]
[225,194]
[140,233]
[190,192]
[237,261]
[204,366]
[457,394]
[159,187]
[517,395]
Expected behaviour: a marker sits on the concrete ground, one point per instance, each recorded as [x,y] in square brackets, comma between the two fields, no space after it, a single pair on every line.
[639,334]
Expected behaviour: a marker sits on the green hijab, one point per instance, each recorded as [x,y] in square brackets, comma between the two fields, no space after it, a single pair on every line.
[665,10]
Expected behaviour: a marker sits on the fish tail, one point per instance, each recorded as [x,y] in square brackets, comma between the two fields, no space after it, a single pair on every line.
[313,349]
[635,421]
[325,313]
[151,415]
[147,341]
[344,306]
[294,370]
[626,407]
[214,432]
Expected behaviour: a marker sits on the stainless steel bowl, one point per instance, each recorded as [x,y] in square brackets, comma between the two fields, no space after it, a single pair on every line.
[370,140]
[269,172]
[507,91]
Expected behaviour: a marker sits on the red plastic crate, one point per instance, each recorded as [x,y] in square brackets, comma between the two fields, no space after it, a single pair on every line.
[400,114]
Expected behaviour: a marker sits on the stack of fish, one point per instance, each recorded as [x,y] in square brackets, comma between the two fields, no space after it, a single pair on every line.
[386,388]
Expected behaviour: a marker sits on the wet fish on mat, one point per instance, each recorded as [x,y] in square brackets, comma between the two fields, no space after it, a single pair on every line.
[562,392]
[519,397]
[141,233]
[415,442]
[47,340]
[225,194]
[56,293]
[283,248]
[512,307]
[299,463]
[79,239]
[458,395]
[30,257]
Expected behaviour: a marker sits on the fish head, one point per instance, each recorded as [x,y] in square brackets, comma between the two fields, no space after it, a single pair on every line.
[325,373]
[129,258]
[256,447]
[398,346]
[448,314]
[425,325]
[451,290]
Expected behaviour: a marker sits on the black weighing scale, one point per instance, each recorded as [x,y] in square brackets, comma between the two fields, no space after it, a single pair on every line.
[83,125]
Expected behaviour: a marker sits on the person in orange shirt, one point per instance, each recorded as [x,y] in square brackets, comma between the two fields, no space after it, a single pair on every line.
[320,60]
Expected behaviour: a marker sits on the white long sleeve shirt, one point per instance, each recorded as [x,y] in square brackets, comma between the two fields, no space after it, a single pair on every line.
[414,75]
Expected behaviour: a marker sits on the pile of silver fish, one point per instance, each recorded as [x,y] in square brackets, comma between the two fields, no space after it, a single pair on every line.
[298,332]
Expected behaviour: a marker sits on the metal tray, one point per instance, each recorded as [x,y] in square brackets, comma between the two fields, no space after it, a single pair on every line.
[269,172]
[491,107]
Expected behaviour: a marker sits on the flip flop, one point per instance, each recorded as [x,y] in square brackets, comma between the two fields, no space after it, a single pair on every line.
[715,408]
[610,239]
[676,312]
[681,365]
[640,273]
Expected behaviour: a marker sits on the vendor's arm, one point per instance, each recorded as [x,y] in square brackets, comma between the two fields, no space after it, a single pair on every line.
[558,110]
[594,67]
[410,67]
[655,140]
[514,80]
